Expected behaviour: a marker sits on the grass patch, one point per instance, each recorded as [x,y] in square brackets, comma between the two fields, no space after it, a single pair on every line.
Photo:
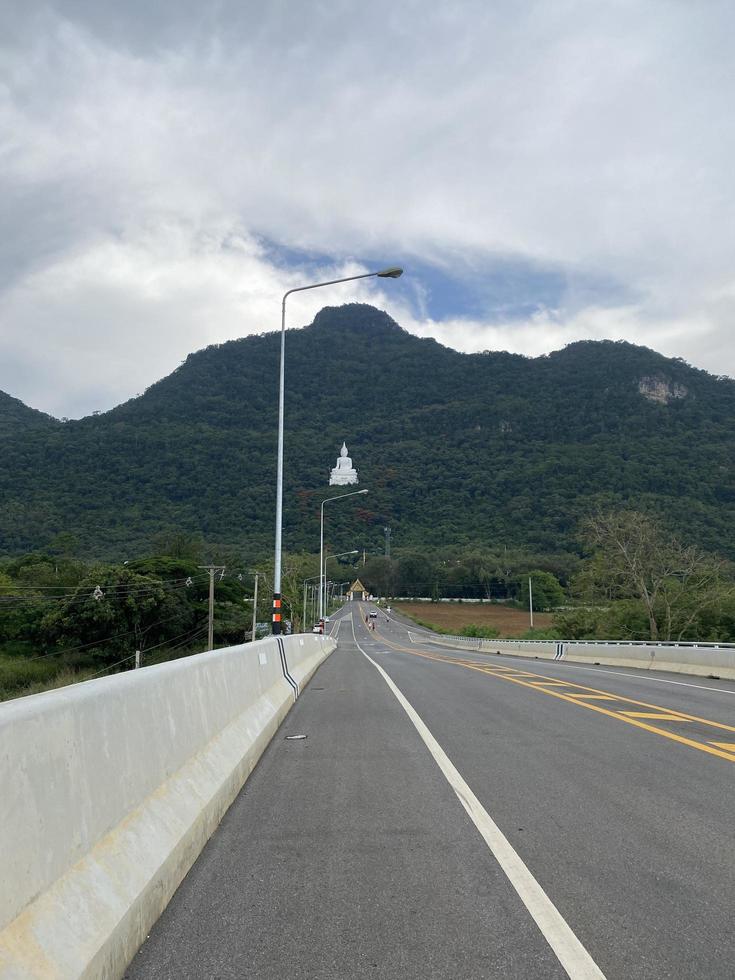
[20,677]
[487,620]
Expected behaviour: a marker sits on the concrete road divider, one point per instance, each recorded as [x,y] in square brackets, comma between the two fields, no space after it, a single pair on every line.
[111,788]
[701,659]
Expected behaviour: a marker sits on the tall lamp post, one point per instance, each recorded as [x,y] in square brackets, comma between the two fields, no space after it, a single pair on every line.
[340,496]
[340,555]
[255,605]
[312,578]
[391,273]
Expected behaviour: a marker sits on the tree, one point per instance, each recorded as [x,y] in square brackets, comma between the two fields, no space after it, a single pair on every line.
[129,612]
[65,544]
[378,575]
[633,557]
[547,592]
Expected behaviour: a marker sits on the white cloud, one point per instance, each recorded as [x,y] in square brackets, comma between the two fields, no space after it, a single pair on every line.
[146,152]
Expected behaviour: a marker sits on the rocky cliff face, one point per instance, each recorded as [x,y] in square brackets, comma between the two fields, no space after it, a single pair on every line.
[661,390]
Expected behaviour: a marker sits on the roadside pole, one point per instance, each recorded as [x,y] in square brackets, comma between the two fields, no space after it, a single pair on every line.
[210,631]
[530,599]
[255,606]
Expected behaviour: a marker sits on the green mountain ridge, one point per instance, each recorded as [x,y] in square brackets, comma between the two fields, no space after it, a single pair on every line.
[486,449]
[16,417]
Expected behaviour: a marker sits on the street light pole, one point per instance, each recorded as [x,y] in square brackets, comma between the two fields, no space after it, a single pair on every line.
[255,605]
[340,555]
[340,496]
[391,273]
[311,578]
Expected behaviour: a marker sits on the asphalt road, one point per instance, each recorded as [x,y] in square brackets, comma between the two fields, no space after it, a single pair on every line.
[470,816]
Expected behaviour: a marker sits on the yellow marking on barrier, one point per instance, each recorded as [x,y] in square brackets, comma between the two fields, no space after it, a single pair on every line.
[569,696]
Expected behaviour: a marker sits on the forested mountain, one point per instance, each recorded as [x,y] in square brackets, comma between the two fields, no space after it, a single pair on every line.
[490,448]
[17,418]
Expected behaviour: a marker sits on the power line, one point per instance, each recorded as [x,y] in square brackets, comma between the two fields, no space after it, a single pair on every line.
[110,666]
[96,643]
[199,628]
[51,588]
[73,598]
[132,655]
[199,632]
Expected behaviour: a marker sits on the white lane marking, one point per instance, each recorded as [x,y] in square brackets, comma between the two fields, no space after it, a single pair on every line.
[570,952]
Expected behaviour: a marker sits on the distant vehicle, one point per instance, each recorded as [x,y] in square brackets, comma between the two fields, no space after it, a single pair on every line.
[373,615]
[318,627]
[387,609]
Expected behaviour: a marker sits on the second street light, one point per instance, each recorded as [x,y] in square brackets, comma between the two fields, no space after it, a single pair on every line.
[340,555]
[341,496]
[391,273]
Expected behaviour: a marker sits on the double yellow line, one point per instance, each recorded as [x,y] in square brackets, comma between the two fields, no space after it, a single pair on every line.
[581,696]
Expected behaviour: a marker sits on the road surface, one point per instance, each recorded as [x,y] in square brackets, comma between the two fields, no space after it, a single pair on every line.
[462,815]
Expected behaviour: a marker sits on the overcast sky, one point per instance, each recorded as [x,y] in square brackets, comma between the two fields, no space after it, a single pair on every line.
[545,171]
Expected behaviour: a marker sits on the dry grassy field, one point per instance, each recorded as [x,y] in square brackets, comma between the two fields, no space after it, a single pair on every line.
[453,616]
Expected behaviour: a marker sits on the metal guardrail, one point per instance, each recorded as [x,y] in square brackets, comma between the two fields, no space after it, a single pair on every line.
[588,643]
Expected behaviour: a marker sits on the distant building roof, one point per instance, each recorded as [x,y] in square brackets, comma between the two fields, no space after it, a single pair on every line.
[357,586]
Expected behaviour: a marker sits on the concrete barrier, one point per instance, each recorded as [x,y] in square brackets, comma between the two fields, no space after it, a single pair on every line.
[701,659]
[111,788]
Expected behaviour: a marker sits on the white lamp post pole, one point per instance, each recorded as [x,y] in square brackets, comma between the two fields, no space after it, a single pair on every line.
[391,273]
[340,496]
[255,605]
[340,555]
[312,578]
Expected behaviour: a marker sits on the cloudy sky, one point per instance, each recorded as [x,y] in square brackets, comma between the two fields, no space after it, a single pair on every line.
[545,171]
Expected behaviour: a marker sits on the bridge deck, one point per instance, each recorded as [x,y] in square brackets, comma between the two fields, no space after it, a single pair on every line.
[349,854]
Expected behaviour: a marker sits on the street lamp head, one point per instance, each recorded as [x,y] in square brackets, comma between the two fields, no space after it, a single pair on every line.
[363,491]
[393,273]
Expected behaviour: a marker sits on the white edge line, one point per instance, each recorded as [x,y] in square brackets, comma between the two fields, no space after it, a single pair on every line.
[570,952]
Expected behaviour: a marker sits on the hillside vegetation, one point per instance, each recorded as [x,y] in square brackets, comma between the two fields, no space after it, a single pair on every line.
[489,450]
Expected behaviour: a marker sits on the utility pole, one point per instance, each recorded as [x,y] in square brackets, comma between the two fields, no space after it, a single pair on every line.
[255,605]
[530,599]
[387,533]
[212,569]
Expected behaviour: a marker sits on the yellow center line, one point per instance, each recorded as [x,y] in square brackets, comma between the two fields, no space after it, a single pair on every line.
[595,697]
[654,714]
[712,748]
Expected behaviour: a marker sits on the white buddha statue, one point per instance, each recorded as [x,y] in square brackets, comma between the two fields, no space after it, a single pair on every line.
[343,473]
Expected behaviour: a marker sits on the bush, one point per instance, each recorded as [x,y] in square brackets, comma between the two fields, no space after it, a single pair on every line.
[540,634]
[486,632]
[578,624]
